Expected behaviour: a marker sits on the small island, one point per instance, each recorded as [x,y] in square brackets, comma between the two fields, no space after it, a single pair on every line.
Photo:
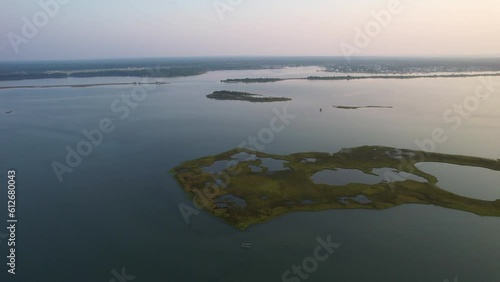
[244,96]
[252,80]
[362,107]
[254,187]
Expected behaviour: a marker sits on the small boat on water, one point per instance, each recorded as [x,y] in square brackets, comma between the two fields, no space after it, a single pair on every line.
[246,245]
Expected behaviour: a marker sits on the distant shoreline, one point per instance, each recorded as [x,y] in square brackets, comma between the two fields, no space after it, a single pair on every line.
[349,77]
[362,107]
[79,85]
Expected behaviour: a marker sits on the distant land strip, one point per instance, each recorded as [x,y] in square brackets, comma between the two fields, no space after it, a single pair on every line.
[79,85]
[361,107]
[349,77]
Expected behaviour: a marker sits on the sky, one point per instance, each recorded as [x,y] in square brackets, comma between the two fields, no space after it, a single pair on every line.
[97,29]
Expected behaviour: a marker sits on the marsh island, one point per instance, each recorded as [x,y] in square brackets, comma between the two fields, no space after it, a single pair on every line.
[244,96]
[245,187]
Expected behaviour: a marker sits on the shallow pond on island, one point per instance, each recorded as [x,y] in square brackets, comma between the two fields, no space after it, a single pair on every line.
[473,182]
[340,177]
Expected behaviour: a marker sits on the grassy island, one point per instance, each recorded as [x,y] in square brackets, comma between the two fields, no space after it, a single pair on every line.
[244,96]
[249,192]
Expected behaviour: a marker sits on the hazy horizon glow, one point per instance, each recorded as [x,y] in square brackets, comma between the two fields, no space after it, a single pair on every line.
[172,28]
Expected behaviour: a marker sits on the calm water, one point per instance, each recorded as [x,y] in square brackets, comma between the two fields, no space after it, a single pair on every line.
[119,208]
[340,177]
[474,182]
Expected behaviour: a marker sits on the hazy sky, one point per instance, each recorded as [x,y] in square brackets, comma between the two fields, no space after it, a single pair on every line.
[84,29]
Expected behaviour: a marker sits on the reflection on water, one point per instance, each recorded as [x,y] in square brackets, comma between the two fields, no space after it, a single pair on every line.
[340,177]
[272,165]
[254,168]
[229,199]
[393,175]
[218,166]
[307,202]
[361,199]
[242,157]
[177,123]
[474,182]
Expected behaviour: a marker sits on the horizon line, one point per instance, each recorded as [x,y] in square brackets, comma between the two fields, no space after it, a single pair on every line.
[260,57]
